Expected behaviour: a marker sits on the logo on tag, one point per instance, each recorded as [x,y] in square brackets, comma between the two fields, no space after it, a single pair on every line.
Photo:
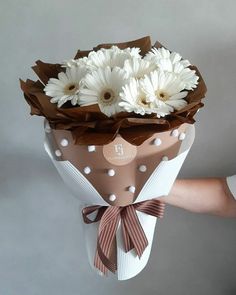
[119,152]
[119,149]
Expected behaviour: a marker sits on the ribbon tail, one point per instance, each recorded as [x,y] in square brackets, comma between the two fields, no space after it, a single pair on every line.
[133,233]
[106,239]
[128,244]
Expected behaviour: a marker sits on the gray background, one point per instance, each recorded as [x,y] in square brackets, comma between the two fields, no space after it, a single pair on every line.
[41,243]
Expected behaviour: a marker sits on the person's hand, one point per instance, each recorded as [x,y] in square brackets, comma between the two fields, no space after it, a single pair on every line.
[206,195]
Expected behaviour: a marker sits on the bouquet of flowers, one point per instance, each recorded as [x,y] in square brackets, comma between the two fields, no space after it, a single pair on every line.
[118,126]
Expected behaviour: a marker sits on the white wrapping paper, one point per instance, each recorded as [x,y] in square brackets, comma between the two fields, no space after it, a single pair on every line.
[158,184]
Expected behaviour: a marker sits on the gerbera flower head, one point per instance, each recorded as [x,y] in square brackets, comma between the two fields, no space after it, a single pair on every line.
[137,67]
[164,89]
[103,87]
[133,52]
[80,62]
[134,99]
[173,62]
[157,54]
[112,57]
[187,76]
[66,87]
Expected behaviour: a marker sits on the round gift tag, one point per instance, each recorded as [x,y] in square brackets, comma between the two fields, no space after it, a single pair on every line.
[119,152]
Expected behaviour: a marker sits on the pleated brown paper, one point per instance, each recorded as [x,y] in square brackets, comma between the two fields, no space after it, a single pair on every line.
[88,125]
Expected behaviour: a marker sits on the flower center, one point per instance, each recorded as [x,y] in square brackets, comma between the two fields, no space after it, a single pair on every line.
[162,95]
[142,101]
[71,88]
[108,97]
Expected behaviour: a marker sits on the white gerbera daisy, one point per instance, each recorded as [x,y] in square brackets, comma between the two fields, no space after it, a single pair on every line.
[102,87]
[112,57]
[173,62]
[137,67]
[186,75]
[66,87]
[165,89]
[135,100]
[81,62]
[133,52]
[157,54]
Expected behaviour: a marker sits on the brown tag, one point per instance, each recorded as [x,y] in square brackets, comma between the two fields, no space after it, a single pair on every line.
[119,152]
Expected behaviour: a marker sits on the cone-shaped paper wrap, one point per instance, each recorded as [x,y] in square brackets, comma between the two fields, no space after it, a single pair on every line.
[119,174]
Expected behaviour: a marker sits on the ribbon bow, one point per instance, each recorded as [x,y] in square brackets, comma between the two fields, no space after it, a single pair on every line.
[133,234]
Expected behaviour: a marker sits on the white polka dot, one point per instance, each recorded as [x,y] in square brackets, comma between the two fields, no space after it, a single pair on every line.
[58,153]
[64,142]
[91,148]
[142,168]
[175,133]
[131,189]
[112,197]
[182,136]
[111,172]
[165,158]
[157,141]
[100,273]
[87,170]
[47,128]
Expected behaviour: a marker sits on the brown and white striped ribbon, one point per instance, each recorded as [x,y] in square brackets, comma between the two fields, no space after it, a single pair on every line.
[133,234]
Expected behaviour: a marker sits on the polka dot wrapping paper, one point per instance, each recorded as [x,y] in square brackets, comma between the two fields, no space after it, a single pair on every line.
[96,178]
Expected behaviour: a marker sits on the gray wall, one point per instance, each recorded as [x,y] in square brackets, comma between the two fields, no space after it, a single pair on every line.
[41,243]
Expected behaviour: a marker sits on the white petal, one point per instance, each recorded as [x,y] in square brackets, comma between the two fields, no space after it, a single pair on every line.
[177,104]
[179,95]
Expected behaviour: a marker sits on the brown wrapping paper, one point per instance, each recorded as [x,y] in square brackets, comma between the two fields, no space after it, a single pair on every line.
[88,125]
[120,156]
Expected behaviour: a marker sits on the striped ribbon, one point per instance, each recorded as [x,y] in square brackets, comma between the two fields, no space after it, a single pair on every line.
[133,234]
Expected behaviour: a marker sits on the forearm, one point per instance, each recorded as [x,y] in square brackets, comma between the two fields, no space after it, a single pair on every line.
[209,195]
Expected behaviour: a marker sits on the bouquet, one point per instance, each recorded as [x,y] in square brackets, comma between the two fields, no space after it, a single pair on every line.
[119,123]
